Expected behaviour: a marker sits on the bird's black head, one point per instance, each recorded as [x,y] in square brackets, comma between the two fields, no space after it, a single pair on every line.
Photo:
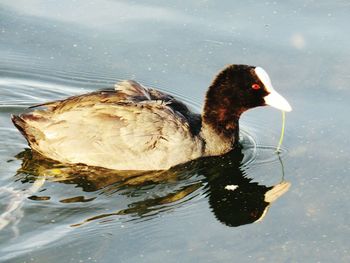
[236,89]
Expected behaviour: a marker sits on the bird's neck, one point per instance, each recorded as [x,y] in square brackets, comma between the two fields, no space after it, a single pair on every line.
[215,143]
[220,123]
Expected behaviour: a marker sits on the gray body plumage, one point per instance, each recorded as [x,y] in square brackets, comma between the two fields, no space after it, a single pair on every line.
[128,128]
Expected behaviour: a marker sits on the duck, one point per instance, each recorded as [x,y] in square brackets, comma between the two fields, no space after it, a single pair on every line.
[134,127]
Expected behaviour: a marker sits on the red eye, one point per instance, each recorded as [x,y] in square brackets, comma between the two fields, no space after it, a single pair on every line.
[255,86]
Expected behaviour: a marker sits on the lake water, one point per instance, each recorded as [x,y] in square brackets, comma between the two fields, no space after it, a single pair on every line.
[53,49]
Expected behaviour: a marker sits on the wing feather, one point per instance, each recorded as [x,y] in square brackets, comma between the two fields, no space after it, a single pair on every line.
[126,90]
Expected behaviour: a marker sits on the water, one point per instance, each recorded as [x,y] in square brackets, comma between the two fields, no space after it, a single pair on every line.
[50,50]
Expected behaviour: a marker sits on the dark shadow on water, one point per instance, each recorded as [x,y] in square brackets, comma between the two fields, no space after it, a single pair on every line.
[233,198]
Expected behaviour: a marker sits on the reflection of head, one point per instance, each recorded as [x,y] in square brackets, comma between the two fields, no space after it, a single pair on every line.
[233,198]
[243,205]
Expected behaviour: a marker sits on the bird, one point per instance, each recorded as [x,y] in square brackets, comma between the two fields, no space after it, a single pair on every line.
[134,127]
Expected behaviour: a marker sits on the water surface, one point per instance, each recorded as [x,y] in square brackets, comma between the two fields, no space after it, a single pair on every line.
[51,50]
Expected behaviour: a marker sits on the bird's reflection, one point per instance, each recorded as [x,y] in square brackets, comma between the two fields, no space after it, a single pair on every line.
[233,197]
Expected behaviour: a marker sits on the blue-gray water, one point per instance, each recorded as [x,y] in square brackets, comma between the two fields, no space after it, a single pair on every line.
[52,49]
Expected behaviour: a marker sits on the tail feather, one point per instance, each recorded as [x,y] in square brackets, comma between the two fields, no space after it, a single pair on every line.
[30,133]
[19,123]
